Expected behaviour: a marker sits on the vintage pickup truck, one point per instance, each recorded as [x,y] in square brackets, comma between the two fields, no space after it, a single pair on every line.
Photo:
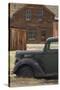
[38,63]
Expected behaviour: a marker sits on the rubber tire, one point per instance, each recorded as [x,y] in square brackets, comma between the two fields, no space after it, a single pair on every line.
[25,71]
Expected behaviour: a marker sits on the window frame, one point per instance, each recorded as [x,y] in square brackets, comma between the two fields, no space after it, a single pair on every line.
[28,15]
[32,36]
[40,14]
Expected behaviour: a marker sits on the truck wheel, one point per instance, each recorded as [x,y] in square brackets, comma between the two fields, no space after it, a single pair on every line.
[24,71]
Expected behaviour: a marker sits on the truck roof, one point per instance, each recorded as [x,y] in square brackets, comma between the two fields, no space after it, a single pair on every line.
[52,39]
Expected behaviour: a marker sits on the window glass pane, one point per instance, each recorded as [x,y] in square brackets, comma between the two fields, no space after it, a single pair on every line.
[28,14]
[31,35]
[40,15]
[54,45]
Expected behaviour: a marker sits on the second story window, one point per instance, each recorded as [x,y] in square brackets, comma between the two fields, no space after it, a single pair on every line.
[40,14]
[28,15]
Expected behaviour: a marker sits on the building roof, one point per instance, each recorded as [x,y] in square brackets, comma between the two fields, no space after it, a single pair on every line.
[54,9]
[16,6]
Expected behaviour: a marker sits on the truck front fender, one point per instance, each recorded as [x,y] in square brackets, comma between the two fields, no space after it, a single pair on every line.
[32,63]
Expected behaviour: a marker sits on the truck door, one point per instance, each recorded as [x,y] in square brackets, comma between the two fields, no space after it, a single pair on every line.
[50,58]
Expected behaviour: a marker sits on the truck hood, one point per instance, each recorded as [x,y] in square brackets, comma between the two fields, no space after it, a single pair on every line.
[27,53]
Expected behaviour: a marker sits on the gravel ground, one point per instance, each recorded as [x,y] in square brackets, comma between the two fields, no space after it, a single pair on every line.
[17,82]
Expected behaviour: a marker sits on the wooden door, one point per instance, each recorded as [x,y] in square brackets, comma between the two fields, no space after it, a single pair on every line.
[21,40]
[17,39]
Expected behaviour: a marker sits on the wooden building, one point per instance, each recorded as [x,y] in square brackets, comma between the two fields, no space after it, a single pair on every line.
[55,28]
[30,24]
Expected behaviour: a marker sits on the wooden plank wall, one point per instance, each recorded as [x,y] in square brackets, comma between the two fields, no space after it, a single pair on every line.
[17,39]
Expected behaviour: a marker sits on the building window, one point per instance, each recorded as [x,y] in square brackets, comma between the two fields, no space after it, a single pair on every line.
[31,35]
[28,15]
[43,36]
[40,15]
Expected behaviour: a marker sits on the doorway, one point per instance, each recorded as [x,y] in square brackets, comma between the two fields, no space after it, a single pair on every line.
[17,39]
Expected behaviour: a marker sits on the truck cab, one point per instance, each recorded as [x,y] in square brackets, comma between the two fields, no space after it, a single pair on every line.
[38,63]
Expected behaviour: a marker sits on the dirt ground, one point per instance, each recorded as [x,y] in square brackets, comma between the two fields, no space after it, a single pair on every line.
[18,82]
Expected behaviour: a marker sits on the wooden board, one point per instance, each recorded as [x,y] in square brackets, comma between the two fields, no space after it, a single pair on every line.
[17,39]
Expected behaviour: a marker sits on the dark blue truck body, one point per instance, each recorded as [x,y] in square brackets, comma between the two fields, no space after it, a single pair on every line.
[38,63]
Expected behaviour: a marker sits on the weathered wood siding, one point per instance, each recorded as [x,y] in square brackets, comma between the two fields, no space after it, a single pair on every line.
[17,39]
[19,23]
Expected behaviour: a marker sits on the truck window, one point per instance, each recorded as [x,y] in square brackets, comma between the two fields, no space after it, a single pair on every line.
[54,45]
